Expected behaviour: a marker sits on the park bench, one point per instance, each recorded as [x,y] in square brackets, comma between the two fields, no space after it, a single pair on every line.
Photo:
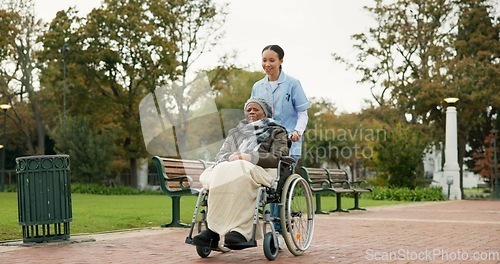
[327,181]
[177,178]
[358,187]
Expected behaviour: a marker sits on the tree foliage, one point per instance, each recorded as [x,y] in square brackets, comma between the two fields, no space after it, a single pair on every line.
[114,58]
[320,143]
[232,86]
[421,52]
[402,58]
[115,55]
[89,148]
[195,30]
[485,159]
[398,158]
[18,54]
[340,140]
[476,72]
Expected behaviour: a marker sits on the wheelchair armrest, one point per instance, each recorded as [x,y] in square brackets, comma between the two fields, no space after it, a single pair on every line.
[287,160]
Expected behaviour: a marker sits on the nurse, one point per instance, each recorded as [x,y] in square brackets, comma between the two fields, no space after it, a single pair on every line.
[285,95]
[289,105]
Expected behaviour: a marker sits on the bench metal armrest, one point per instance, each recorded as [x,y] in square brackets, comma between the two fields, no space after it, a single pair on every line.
[345,184]
[195,186]
[323,183]
[361,184]
[181,180]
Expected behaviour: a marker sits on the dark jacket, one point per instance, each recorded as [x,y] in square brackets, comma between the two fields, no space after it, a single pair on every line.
[268,154]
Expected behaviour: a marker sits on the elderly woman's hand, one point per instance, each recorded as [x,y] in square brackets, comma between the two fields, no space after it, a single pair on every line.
[240,156]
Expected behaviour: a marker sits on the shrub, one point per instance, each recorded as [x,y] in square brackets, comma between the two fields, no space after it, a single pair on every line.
[93,188]
[405,194]
[105,190]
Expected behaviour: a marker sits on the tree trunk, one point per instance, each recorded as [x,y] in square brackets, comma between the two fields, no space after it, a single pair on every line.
[133,173]
[462,140]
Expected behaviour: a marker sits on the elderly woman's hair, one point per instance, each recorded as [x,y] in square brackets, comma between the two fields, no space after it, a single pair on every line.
[268,110]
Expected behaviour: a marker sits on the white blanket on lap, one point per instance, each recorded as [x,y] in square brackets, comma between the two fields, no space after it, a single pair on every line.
[232,195]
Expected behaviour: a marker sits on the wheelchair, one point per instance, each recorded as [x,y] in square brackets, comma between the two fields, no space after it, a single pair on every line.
[294,197]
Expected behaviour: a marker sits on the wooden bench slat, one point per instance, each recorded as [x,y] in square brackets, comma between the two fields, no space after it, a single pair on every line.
[182,171]
[179,178]
[336,181]
[184,165]
[357,186]
[320,182]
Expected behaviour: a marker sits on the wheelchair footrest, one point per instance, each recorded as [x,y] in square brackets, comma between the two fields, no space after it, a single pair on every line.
[242,245]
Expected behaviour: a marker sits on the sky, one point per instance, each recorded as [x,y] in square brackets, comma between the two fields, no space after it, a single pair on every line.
[308,31]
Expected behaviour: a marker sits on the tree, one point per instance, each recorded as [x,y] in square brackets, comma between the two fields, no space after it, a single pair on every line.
[398,158]
[320,143]
[411,59]
[195,29]
[122,51]
[19,59]
[232,86]
[88,148]
[484,159]
[475,76]
[116,57]
[402,59]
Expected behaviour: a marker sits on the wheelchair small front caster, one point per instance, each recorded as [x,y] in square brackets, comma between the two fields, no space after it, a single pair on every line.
[203,251]
[270,248]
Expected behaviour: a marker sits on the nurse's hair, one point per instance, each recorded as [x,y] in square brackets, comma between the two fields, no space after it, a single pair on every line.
[277,49]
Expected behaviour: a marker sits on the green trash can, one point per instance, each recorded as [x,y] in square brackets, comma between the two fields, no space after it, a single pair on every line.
[44,197]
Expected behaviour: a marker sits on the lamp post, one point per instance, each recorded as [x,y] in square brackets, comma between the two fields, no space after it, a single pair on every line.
[496,180]
[64,50]
[451,169]
[4,107]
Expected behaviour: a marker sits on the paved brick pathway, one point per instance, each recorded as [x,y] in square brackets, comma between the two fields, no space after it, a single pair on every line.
[435,232]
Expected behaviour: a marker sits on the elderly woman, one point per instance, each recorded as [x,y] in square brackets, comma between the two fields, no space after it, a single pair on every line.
[257,142]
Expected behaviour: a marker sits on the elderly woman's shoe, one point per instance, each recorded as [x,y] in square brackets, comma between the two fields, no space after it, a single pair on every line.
[234,237]
[207,238]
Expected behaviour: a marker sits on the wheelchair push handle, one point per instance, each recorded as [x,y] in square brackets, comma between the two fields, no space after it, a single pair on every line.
[287,160]
[289,140]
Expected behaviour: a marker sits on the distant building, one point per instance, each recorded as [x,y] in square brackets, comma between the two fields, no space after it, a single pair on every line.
[433,167]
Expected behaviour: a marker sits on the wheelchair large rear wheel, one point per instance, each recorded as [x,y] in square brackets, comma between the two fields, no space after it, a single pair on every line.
[297,214]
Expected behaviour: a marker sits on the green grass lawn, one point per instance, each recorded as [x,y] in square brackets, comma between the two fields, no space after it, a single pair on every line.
[475,191]
[99,213]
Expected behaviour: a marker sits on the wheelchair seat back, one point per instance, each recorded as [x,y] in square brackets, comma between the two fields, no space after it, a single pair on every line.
[286,168]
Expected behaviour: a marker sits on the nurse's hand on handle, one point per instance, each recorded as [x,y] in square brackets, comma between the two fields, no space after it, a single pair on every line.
[294,136]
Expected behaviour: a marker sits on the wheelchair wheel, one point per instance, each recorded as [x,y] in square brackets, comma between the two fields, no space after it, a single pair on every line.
[202,226]
[297,214]
[203,251]
[270,249]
